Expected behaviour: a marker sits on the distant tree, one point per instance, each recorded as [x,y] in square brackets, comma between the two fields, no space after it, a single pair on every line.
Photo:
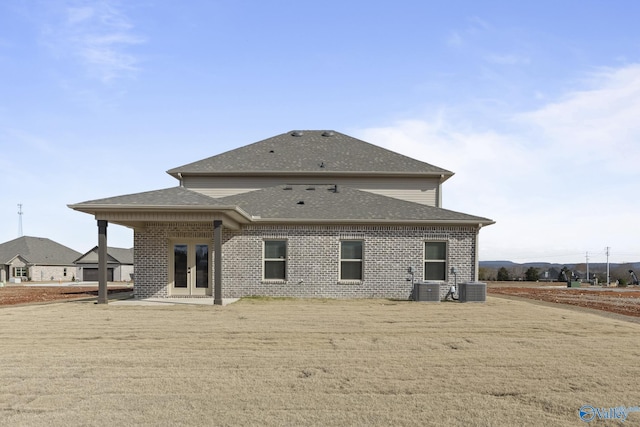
[532,274]
[564,274]
[621,273]
[503,275]
[483,273]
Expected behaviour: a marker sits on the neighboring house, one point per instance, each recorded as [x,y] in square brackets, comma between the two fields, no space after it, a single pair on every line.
[36,258]
[119,265]
[302,214]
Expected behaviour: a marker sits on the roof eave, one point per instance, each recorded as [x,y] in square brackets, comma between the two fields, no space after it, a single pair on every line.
[95,209]
[444,175]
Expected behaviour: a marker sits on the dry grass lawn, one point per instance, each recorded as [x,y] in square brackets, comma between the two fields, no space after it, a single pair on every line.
[314,362]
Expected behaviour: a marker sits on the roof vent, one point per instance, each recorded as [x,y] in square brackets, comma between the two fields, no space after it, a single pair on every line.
[311,188]
[287,187]
[271,151]
[322,165]
[297,133]
[335,188]
[301,202]
[328,133]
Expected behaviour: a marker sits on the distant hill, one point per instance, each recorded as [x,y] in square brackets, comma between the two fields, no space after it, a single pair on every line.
[550,271]
[545,265]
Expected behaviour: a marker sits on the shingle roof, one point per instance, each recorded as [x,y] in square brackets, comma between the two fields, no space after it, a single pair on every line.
[175,196]
[323,202]
[310,152]
[37,250]
[320,203]
[121,255]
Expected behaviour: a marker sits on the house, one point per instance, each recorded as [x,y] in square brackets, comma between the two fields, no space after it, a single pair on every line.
[302,214]
[36,258]
[119,265]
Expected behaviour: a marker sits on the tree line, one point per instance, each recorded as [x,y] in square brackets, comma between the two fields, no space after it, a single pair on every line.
[619,273]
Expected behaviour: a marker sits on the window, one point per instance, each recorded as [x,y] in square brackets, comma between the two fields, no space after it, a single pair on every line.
[351,260]
[275,260]
[19,271]
[435,261]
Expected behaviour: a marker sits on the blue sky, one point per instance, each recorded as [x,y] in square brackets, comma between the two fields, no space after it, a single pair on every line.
[534,105]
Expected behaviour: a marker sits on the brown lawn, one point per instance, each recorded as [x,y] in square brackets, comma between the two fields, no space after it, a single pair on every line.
[313,362]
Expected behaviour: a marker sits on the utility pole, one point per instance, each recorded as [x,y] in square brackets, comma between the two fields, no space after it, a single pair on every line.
[607,252]
[587,266]
[20,219]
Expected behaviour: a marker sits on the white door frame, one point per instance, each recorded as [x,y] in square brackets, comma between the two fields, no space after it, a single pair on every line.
[189,281]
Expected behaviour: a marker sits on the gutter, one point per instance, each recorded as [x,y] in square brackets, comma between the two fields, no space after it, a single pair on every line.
[444,175]
[475,223]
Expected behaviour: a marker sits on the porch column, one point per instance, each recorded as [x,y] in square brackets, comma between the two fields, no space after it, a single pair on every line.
[102,262]
[217,262]
[476,255]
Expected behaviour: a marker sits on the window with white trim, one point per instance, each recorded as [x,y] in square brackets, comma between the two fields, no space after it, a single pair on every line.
[351,260]
[435,261]
[275,260]
[19,271]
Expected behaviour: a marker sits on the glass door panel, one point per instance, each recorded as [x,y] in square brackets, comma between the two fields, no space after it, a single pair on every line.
[202,266]
[180,266]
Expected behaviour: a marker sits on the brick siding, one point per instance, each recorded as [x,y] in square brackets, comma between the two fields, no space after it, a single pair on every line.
[313,258]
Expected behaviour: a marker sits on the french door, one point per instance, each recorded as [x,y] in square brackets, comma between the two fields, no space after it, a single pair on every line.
[190,268]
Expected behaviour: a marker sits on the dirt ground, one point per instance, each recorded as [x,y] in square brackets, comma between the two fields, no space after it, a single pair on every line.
[624,301]
[12,295]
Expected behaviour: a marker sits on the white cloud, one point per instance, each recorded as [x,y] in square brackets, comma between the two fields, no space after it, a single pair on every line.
[597,126]
[97,33]
[562,180]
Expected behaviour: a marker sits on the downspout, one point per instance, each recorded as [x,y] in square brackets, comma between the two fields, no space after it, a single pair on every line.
[439,193]
[477,251]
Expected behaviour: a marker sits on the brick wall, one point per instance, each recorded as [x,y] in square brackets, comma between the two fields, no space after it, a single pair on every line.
[312,261]
[388,254]
[56,273]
